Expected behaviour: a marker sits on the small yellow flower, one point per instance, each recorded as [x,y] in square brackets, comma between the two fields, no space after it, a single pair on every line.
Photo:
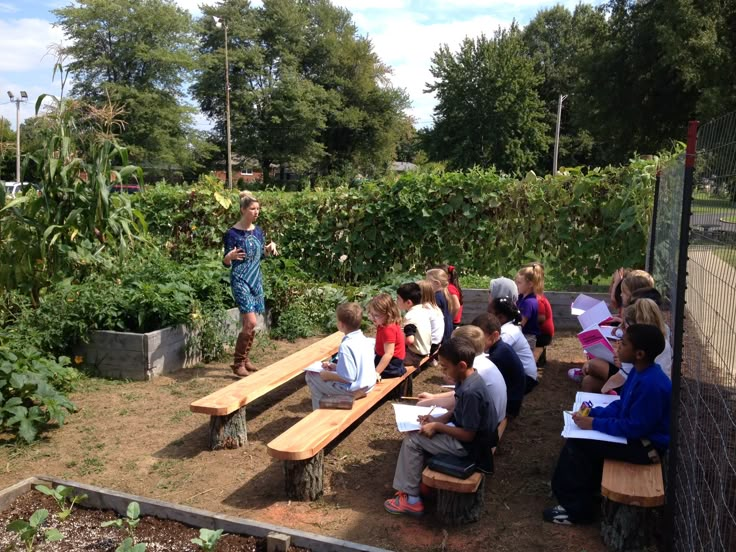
[78,360]
[194,227]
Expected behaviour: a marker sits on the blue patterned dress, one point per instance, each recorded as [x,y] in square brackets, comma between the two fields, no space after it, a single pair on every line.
[245,275]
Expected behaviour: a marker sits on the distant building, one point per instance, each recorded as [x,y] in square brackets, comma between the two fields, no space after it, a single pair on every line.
[403,166]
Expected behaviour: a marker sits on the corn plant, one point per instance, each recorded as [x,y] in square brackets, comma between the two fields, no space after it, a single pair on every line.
[29,530]
[61,494]
[208,539]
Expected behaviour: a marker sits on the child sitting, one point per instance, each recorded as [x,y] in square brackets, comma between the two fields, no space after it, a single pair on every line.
[507,361]
[456,294]
[596,372]
[471,434]
[642,416]
[509,316]
[390,341]
[527,281]
[436,318]
[355,369]
[440,282]
[503,287]
[487,370]
[417,327]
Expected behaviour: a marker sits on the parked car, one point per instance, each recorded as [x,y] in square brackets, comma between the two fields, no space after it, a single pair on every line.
[14,188]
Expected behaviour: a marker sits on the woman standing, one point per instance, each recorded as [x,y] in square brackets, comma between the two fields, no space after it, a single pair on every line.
[245,244]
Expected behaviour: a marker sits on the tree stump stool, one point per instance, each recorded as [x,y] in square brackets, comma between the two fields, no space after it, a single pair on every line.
[454,508]
[304,478]
[229,431]
[626,528]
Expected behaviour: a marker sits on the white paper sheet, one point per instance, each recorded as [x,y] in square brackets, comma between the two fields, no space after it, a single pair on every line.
[599,350]
[407,414]
[582,303]
[314,367]
[571,431]
[595,315]
[448,387]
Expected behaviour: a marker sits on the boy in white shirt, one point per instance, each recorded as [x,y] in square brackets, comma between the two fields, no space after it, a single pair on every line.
[417,325]
[486,369]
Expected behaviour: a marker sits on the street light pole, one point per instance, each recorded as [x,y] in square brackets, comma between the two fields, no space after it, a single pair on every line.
[557,133]
[221,22]
[17,101]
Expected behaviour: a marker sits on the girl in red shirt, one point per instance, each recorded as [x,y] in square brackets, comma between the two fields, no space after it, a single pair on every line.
[390,345]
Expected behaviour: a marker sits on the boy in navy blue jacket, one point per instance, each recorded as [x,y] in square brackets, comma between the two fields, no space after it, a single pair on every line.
[642,416]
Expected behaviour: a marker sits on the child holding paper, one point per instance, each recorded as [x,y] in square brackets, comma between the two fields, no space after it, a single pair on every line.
[596,372]
[436,317]
[642,416]
[487,370]
[354,369]
[471,434]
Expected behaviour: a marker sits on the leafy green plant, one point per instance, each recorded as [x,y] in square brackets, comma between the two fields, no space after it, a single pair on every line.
[29,530]
[208,539]
[129,522]
[32,391]
[128,545]
[61,494]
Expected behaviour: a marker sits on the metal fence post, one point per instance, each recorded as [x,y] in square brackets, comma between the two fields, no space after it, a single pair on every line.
[679,322]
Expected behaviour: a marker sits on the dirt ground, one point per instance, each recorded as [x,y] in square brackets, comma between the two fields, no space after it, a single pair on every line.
[141,438]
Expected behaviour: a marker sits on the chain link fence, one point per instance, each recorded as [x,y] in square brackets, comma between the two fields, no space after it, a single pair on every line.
[693,259]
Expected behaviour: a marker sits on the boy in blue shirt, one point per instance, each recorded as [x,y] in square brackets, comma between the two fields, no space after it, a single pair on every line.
[642,416]
[355,368]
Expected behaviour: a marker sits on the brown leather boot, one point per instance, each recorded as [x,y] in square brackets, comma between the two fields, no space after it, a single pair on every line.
[240,356]
[246,361]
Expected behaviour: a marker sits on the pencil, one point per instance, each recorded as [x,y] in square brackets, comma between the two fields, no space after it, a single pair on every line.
[410,399]
[430,411]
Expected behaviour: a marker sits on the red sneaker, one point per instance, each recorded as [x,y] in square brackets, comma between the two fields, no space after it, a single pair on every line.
[400,505]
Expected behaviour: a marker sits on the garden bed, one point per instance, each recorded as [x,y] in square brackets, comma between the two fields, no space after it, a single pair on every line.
[163,526]
[144,356]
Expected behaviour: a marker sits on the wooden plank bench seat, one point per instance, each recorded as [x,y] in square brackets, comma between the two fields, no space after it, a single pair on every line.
[459,501]
[226,406]
[632,495]
[301,447]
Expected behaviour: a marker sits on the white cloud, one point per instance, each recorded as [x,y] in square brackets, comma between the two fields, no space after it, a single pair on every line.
[24,43]
[7,8]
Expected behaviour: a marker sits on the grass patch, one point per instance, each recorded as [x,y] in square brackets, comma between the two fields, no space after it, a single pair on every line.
[706,203]
[727,254]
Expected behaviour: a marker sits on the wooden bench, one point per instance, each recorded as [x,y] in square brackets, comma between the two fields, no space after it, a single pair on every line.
[632,495]
[226,406]
[302,446]
[459,501]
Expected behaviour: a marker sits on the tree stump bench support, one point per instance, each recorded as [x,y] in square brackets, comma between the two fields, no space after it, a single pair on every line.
[226,406]
[633,495]
[301,447]
[459,501]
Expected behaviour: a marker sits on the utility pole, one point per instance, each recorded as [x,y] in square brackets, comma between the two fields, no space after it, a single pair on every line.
[557,133]
[17,101]
[221,23]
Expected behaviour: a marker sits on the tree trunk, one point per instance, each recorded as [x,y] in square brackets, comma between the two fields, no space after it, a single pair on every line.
[627,528]
[460,508]
[304,478]
[228,432]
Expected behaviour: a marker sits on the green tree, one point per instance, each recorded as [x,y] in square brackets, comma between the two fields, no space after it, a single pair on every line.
[305,90]
[556,39]
[7,150]
[138,54]
[488,110]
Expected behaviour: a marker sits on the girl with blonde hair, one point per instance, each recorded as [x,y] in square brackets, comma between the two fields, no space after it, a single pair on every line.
[436,317]
[439,280]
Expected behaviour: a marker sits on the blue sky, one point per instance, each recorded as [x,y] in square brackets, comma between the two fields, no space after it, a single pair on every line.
[405,34]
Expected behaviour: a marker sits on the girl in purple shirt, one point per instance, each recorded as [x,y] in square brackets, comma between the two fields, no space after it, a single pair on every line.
[527,281]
